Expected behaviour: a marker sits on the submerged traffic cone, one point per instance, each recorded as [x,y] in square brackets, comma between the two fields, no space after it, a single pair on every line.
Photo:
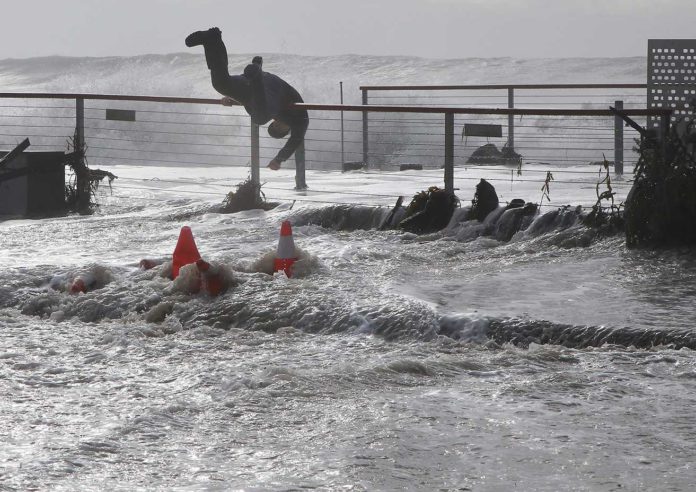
[83,283]
[211,278]
[285,255]
[185,252]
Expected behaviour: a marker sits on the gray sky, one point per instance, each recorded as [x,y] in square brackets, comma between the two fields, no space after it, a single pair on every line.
[428,28]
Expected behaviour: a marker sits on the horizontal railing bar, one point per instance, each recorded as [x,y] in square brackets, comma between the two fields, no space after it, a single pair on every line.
[504,97]
[110,97]
[478,105]
[498,86]
[369,108]
[500,111]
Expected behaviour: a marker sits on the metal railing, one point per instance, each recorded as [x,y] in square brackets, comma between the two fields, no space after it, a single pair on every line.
[222,136]
[553,95]
[449,114]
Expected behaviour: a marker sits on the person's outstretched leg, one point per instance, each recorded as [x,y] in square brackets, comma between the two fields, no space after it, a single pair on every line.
[236,87]
[215,51]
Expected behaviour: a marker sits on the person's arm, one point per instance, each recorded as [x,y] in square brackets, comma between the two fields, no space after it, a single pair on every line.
[228,101]
[298,129]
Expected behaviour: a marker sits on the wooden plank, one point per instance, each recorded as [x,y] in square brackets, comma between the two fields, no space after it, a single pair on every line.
[14,153]
[623,114]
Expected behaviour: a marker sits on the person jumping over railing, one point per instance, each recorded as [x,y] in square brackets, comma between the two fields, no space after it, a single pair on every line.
[264,96]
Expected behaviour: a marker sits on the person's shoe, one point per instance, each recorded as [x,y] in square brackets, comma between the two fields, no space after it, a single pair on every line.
[201,37]
[274,165]
[257,60]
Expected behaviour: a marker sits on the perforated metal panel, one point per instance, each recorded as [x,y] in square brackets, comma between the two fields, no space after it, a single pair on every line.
[672,77]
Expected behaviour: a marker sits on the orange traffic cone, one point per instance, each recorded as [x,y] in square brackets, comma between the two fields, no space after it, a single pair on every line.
[185,252]
[83,283]
[285,255]
[211,278]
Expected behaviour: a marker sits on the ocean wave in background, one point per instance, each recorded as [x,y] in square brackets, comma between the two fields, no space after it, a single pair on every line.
[317,78]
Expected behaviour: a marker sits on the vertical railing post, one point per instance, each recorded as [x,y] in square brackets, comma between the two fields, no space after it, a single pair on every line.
[343,152]
[618,140]
[79,123]
[511,119]
[449,153]
[255,157]
[79,165]
[366,148]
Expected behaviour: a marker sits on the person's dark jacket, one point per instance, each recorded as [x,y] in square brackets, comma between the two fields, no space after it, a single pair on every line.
[271,97]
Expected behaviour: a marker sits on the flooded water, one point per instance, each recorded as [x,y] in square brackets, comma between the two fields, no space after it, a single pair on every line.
[558,360]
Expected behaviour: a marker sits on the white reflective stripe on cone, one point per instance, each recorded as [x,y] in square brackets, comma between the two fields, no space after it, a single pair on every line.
[286,247]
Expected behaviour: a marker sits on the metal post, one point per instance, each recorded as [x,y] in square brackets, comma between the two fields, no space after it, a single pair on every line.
[343,154]
[449,153]
[618,140]
[365,133]
[255,157]
[511,119]
[79,123]
[79,163]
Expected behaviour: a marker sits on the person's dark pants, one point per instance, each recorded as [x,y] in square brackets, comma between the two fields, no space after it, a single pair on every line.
[235,86]
[300,181]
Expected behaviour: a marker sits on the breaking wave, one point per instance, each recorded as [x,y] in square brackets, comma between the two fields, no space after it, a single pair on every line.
[562,226]
[276,304]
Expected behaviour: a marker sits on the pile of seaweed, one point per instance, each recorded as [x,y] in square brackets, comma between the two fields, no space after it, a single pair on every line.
[489,154]
[606,214]
[432,210]
[429,211]
[81,189]
[248,196]
[660,209]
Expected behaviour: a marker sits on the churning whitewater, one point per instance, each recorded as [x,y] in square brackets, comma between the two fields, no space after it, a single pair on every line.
[476,358]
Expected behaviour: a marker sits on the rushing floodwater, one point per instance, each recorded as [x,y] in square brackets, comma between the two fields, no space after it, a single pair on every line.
[557,360]
[443,362]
